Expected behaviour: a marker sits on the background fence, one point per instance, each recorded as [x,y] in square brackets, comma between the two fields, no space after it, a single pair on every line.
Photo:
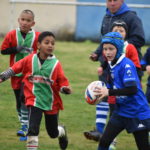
[89,18]
[79,19]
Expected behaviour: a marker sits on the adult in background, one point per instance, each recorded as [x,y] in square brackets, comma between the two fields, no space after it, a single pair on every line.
[116,10]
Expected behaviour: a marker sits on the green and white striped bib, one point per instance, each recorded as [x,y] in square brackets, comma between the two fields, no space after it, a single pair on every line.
[42,82]
[27,42]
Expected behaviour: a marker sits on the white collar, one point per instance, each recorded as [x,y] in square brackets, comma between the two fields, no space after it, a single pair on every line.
[118,61]
[28,31]
[49,57]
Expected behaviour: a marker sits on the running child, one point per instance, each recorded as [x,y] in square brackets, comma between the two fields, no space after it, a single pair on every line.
[43,80]
[132,111]
[101,108]
[19,43]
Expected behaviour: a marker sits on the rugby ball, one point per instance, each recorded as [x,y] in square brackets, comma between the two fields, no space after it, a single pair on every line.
[90,94]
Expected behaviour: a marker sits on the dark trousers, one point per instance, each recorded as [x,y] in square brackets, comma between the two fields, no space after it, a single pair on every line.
[111,131]
[148,93]
[35,117]
[20,98]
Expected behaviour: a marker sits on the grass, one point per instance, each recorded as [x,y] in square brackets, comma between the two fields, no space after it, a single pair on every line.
[77,116]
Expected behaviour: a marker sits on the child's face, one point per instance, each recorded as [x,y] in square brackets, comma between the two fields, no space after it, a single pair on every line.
[26,21]
[121,30]
[47,46]
[109,51]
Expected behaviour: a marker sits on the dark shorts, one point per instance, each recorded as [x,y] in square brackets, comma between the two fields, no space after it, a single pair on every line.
[148,93]
[146,123]
[130,124]
[35,117]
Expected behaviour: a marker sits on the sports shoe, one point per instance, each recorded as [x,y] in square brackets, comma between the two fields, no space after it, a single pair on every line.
[112,147]
[63,139]
[23,131]
[23,138]
[93,135]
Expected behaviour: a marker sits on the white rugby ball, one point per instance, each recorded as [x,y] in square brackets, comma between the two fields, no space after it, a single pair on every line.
[90,94]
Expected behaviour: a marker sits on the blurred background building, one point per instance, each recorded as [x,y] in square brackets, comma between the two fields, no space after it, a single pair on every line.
[68,19]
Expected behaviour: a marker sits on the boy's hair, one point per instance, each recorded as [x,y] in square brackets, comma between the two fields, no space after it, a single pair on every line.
[44,34]
[120,23]
[115,39]
[27,11]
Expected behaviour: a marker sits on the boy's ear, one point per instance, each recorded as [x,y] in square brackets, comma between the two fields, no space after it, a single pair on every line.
[33,23]
[38,45]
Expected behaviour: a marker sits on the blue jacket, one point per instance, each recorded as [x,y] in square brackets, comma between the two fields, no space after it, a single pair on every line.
[145,62]
[135,28]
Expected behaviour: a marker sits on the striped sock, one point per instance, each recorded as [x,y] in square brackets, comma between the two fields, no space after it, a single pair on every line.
[19,115]
[101,115]
[24,115]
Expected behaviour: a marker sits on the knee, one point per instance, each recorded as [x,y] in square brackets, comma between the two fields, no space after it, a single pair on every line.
[53,134]
[52,131]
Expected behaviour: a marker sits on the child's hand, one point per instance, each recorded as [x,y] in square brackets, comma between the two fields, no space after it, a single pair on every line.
[101,92]
[25,49]
[19,48]
[148,69]
[100,71]
[93,57]
[66,90]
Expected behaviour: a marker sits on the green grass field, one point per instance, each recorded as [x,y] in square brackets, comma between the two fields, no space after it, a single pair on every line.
[77,116]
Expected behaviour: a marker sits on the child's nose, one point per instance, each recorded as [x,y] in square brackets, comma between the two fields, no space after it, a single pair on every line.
[50,45]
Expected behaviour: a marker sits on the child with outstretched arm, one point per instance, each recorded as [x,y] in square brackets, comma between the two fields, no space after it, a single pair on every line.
[43,80]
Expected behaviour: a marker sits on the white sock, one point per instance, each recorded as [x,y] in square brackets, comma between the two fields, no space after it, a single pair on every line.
[61,131]
[32,148]
[32,142]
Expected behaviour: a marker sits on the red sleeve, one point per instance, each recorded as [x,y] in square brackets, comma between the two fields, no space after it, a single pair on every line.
[60,77]
[111,99]
[132,54]
[9,40]
[20,65]
[35,42]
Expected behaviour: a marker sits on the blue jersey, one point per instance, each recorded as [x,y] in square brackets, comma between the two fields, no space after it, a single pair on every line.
[124,75]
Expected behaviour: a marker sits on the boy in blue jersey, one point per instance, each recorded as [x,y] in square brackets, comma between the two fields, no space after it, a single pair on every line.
[132,111]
